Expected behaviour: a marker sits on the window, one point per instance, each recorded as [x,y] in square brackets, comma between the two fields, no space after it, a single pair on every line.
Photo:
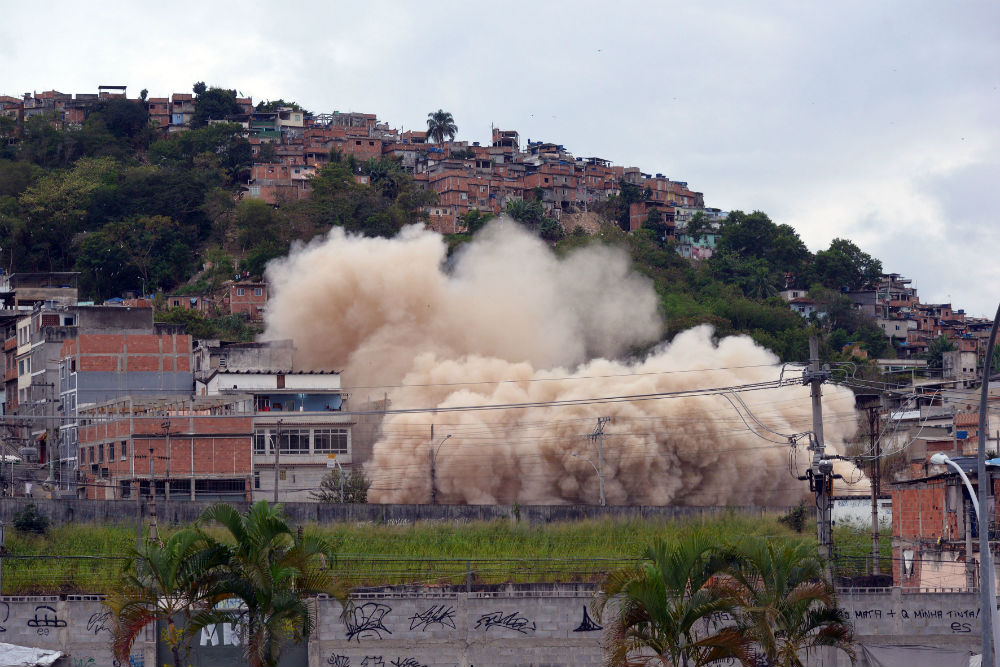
[111,452]
[240,291]
[91,454]
[261,439]
[100,453]
[330,440]
[124,449]
[258,291]
[256,479]
[295,441]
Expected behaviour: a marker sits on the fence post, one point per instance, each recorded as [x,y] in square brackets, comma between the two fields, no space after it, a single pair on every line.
[468,576]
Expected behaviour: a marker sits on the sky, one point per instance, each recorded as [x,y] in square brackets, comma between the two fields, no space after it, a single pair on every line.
[876,122]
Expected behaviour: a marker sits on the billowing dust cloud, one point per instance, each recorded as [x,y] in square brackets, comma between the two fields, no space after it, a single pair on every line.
[506,322]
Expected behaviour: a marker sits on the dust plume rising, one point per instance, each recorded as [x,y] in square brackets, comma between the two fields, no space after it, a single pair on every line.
[504,321]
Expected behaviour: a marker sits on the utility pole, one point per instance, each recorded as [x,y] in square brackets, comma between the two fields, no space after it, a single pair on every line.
[872,404]
[598,435]
[433,453]
[821,472]
[152,496]
[276,442]
[166,484]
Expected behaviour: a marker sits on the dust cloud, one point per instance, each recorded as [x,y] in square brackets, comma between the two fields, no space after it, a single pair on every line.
[506,322]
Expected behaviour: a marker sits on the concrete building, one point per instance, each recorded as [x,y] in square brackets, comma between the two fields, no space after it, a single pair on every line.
[298,427]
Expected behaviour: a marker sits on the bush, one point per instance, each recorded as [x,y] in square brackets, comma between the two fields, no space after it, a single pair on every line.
[796,518]
[30,520]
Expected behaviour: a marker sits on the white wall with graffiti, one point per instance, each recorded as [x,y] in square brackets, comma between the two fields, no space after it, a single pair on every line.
[544,624]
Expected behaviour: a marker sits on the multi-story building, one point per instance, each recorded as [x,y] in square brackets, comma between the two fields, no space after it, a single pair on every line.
[181,447]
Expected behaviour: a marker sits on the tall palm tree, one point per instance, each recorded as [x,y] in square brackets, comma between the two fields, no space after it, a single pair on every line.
[271,570]
[785,603]
[440,124]
[164,582]
[664,610]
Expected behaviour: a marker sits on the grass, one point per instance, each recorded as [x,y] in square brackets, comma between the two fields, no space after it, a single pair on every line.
[854,549]
[426,553]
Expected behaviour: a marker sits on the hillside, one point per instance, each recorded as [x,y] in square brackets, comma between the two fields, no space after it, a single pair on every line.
[134,210]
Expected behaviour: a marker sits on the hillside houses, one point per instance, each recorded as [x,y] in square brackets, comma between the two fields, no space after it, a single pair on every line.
[465,176]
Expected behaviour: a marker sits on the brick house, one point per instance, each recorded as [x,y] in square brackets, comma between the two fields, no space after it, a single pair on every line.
[185,448]
[245,298]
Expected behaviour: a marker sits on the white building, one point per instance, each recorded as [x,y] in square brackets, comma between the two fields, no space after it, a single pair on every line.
[300,410]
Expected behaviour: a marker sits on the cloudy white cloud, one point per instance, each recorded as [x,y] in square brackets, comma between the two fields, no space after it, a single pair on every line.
[873,121]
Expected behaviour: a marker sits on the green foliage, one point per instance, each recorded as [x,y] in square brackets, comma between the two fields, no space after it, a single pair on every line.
[475,220]
[391,200]
[214,104]
[355,487]
[754,237]
[796,518]
[935,352]
[271,570]
[664,605]
[440,124]
[30,520]
[844,266]
[270,106]
[462,154]
[267,153]
[229,327]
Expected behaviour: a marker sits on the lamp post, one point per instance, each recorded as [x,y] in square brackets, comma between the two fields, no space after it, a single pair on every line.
[600,474]
[986,575]
[434,451]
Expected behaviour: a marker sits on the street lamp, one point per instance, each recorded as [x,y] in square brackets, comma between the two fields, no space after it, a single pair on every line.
[986,574]
[600,474]
[434,451]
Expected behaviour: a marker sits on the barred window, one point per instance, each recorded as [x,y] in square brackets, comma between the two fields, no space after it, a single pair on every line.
[330,440]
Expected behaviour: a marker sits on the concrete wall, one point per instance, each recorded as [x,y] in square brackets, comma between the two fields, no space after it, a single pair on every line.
[124,511]
[538,624]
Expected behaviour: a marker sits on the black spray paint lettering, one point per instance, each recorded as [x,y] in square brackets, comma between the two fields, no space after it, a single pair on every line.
[435,615]
[99,621]
[961,628]
[512,621]
[5,612]
[338,660]
[48,620]
[373,661]
[365,622]
[868,613]
[587,624]
[406,662]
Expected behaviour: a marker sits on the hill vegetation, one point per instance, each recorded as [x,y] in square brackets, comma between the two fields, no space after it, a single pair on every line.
[133,210]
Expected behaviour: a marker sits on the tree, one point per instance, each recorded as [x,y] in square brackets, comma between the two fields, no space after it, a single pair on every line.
[214,104]
[267,153]
[271,570]
[355,487]
[270,106]
[199,88]
[935,352]
[164,583]
[844,266]
[654,222]
[785,603]
[440,124]
[665,605]
[475,220]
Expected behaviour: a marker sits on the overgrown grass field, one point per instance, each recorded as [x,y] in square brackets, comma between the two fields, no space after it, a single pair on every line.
[81,558]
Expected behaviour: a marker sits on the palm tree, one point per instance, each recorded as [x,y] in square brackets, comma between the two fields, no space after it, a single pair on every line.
[271,571]
[164,581]
[785,603]
[440,124]
[664,609]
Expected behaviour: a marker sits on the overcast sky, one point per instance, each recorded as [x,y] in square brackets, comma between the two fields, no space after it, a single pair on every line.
[876,122]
